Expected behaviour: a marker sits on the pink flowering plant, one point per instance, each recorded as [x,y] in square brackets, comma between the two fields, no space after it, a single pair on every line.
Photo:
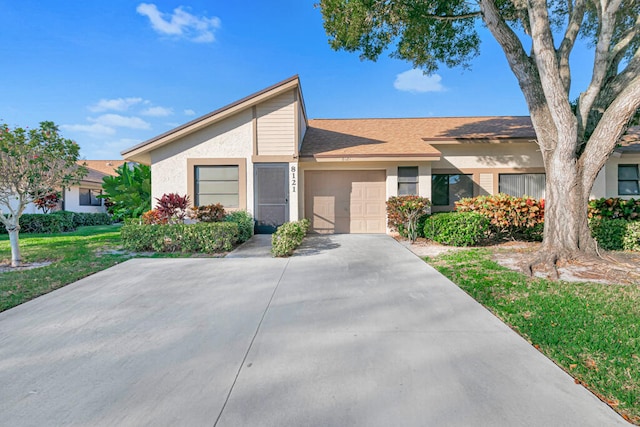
[404,213]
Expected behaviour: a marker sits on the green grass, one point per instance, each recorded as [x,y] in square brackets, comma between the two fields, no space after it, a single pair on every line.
[73,255]
[590,330]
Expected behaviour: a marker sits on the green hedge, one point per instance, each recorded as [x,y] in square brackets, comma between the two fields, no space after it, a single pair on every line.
[59,222]
[616,234]
[288,237]
[205,237]
[456,228]
[245,224]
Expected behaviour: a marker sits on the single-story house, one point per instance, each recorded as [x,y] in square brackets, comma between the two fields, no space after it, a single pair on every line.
[263,154]
[83,197]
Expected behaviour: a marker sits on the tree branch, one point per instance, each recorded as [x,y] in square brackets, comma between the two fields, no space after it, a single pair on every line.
[573,29]
[453,17]
[602,60]
[626,39]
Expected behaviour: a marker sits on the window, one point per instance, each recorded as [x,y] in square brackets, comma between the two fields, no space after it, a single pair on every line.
[89,197]
[407,181]
[520,184]
[628,180]
[217,184]
[447,189]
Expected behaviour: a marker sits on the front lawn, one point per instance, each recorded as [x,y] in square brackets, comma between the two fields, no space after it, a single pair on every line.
[590,330]
[73,256]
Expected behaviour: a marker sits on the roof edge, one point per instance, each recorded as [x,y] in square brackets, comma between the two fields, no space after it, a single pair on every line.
[210,115]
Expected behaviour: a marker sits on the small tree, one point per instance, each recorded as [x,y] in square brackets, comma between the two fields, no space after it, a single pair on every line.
[128,194]
[48,202]
[32,162]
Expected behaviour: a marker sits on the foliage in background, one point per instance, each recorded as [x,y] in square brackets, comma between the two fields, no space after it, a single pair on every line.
[208,213]
[616,234]
[456,228]
[288,237]
[591,330]
[245,223]
[614,207]
[128,193]
[509,216]
[404,214]
[32,162]
[49,201]
[173,207]
[203,237]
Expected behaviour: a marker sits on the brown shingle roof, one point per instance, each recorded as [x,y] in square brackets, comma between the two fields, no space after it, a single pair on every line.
[107,167]
[405,137]
[630,142]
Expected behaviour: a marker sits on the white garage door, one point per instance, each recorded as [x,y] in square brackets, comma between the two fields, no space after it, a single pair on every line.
[346,201]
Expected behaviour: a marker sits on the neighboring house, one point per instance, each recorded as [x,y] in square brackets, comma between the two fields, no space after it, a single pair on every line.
[264,155]
[83,197]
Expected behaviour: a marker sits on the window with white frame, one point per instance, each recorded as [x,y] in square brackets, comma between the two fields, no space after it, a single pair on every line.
[628,180]
[407,180]
[521,184]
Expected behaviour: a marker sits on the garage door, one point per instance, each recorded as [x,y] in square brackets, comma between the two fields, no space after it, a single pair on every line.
[345,201]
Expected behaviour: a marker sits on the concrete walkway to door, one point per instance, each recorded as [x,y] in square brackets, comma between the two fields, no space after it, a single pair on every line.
[354,330]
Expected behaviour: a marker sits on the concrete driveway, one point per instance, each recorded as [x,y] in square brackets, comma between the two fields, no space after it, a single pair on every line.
[354,330]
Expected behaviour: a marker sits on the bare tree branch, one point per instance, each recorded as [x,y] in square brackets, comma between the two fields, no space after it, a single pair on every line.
[573,29]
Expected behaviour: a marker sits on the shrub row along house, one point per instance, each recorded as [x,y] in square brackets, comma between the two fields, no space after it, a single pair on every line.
[263,154]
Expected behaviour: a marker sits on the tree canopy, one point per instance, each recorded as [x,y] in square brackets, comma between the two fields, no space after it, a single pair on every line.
[32,163]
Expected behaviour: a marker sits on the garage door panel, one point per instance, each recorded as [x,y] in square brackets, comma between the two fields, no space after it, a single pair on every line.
[346,201]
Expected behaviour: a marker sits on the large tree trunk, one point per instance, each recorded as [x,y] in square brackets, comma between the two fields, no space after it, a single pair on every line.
[14,240]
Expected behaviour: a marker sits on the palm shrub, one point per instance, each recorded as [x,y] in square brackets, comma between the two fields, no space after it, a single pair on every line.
[128,193]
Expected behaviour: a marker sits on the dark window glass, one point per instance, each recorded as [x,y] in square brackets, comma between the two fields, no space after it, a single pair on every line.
[448,189]
[628,180]
[89,197]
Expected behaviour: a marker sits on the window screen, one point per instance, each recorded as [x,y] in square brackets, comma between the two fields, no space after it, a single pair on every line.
[407,181]
[523,184]
[628,180]
[217,184]
[448,189]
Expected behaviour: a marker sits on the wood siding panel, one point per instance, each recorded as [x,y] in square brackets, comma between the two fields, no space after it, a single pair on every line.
[486,184]
[276,126]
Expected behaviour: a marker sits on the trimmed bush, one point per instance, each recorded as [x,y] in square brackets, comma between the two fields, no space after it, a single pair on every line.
[204,237]
[288,237]
[613,208]
[616,234]
[406,215]
[57,222]
[208,213]
[513,217]
[245,224]
[81,219]
[456,228]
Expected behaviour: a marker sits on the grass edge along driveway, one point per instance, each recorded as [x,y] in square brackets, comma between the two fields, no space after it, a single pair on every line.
[590,330]
[72,255]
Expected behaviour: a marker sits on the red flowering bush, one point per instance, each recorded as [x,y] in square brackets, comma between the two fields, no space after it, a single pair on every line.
[404,214]
[48,202]
[173,207]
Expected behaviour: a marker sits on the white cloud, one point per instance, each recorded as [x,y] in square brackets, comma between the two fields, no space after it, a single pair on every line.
[117,104]
[180,23]
[189,112]
[94,129]
[416,81]
[157,112]
[116,120]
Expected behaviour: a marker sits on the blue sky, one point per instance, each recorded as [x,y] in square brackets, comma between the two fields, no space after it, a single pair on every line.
[114,73]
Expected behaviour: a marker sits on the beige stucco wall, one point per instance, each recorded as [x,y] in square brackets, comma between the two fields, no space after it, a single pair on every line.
[390,168]
[230,138]
[485,155]
[611,172]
